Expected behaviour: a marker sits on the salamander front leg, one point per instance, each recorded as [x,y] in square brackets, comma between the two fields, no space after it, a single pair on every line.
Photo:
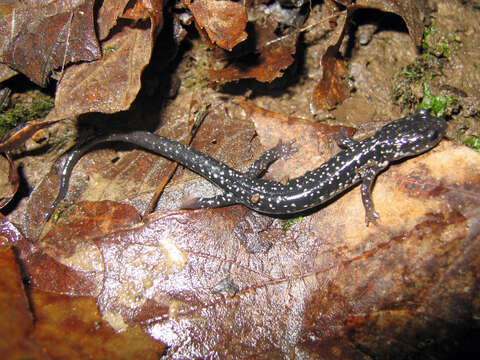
[343,141]
[369,175]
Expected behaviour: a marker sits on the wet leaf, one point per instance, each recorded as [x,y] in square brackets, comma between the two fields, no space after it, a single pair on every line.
[203,279]
[110,84]
[223,22]
[48,35]
[312,140]
[89,336]
[411,12]
[17,136]
[17,321]
[108,15]
[273,55]
[9,142]
[147,9]
[9,180]
[6,72]
[333,88]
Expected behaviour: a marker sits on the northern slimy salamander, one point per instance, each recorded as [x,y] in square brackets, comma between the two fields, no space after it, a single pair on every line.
[358,162]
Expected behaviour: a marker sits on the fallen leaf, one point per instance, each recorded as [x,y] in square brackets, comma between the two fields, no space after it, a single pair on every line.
[17,321]
[312,140]
[271,56]
[110,84]
[333,88]
[6,72]
[411,12]
[89,336]
[224,22]
[108,15]
[147,9]
[203,279]
[18,135]
[9,180]
[48,35]
[9,142]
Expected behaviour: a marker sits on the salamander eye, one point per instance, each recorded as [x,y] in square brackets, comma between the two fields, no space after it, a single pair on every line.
[432,135]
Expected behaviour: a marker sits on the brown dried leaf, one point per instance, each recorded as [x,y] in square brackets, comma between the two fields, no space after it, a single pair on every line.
[17,136]
[71,328]
[192,274]
[8,142]
[147,9]
[199,281]
[110,84]
[411,12]
[332,88]
[48,35]
[223,21]
[274,56]
[65,327]
[47,273]
[9,180]
[108,15]
[16,319]
[312,140]
[6,72]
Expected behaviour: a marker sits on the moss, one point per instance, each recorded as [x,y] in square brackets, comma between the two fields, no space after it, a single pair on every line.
[435,104]
[410,80]
[287,224]
[437,44]
[22,112]
[472,141]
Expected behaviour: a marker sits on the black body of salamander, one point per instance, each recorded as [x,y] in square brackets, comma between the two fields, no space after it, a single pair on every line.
[358,162]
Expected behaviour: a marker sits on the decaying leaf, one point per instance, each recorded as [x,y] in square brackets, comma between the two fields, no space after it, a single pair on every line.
[110,84]
[411,12]
[191,278]
[312,140]
[83,318]
[17,320]
[17,136]
[6,72]
[9,180]
[274,55]
[108,15]
[333,88]
[9,142]
[48,35]
[223,22]
[147,9]
[56,315]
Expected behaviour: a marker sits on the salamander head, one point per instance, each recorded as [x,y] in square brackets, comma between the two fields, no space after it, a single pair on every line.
[411,135]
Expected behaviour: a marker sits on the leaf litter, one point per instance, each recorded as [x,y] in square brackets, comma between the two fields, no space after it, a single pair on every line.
[327,286]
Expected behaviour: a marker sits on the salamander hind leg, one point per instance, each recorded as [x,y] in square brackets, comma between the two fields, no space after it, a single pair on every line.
[208,202]
[281,150]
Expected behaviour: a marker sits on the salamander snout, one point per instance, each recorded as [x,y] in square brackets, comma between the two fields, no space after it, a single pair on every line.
[414,134]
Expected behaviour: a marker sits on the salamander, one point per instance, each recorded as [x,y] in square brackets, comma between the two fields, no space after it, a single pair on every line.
[359,161]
